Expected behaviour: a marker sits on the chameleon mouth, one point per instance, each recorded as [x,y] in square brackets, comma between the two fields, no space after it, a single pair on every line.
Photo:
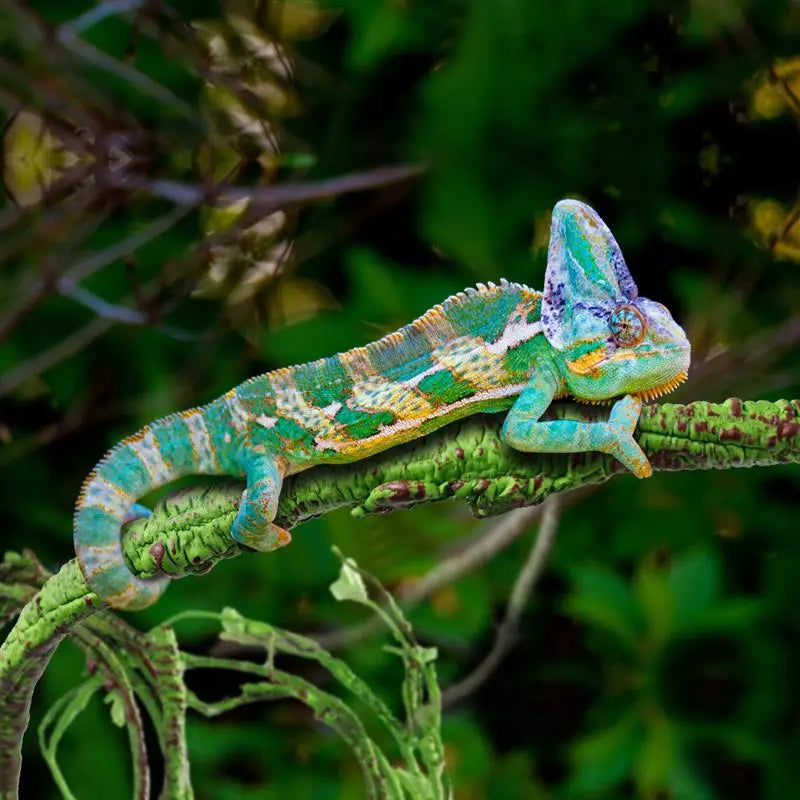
[663,388]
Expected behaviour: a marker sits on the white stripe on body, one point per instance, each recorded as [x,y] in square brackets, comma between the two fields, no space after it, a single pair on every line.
[413,382]
[410,424]
[515,333]
[239,416]
[146,449]
[204,456]
[103,494]
[332,409]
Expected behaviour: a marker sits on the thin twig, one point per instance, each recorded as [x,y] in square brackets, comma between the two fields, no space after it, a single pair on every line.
[64,349]
[520,594]
[89,265]
[103,308]
[499,535]
[145,84]
[102,10]
[122,313]
[219,194]
[66,284]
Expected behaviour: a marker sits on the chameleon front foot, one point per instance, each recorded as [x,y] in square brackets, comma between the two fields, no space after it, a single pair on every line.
[525,431]
[615,437]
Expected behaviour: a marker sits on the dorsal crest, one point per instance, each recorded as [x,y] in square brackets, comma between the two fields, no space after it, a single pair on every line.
[472,312]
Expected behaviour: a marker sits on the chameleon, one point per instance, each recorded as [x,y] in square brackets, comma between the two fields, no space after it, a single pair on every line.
[492,348]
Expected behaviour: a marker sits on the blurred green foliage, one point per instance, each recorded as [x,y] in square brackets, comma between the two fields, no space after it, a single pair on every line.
[657,658]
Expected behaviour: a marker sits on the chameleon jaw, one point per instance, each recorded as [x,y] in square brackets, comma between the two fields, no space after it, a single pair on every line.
[663,388]
[644,396]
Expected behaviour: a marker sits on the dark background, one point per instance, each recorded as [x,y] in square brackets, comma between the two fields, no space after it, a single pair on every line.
[658,658]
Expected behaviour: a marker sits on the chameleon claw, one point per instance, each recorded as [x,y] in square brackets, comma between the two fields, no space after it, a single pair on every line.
[265,540]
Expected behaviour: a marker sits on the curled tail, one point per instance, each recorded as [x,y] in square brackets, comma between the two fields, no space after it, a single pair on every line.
[158,454]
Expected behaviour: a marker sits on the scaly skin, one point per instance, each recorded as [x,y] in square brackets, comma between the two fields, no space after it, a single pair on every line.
[492,348]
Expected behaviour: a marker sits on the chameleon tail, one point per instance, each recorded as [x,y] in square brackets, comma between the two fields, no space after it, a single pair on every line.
[159,453]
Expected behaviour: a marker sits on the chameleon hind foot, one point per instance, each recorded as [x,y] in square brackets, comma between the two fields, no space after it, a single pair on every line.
[265,539]
[253,526]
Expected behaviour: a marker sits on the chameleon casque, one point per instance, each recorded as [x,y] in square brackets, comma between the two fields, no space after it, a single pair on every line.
[488,349]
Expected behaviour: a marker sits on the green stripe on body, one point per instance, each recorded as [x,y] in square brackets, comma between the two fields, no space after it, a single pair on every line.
[322,383]
[125,469]
[93,524]
[443,388]
[522,360]
[218,423]
[409,370]
[363,424]
[175,443]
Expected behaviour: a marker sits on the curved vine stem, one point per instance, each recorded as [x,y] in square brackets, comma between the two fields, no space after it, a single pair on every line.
[189,532]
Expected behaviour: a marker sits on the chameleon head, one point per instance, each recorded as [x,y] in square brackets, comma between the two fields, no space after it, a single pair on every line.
[610,341]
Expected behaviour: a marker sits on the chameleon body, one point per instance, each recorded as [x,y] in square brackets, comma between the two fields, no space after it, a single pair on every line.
[492,348]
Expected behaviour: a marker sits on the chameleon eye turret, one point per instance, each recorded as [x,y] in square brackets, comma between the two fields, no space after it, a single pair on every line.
[493,348]
[627,325]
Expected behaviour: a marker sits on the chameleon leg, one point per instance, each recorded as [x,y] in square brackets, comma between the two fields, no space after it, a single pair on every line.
[524,431]
[253,526]
[623,419]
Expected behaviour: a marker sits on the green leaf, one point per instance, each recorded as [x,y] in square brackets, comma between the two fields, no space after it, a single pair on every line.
[695,583]
[652,590]
[117,708]
[656,757]
[606,757]
[733,615]
[350,585]
[603,599]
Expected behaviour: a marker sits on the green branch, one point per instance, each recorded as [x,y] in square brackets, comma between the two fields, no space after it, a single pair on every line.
[189,532]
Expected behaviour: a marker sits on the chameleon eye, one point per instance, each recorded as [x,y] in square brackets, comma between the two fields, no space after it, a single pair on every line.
[627,326]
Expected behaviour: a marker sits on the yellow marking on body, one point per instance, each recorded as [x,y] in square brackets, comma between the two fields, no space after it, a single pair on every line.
[624,355]
[470,359]
[290,404]
[379,394]
[357,364]
[404,430]
[105,495]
